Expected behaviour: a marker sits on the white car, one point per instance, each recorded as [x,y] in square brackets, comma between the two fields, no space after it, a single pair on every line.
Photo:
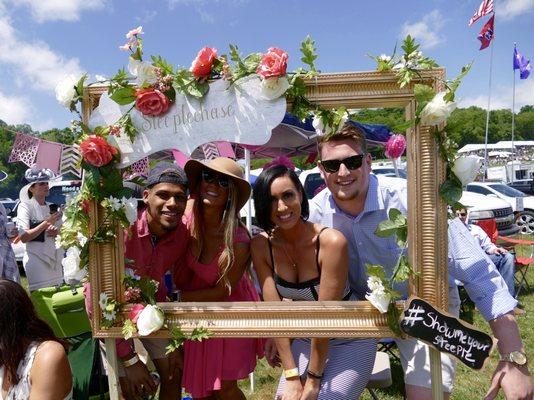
[522,204]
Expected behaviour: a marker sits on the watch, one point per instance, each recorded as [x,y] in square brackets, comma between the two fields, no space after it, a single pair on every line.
[517,357]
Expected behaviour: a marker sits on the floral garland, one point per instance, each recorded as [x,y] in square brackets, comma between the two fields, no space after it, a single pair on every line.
[151,87]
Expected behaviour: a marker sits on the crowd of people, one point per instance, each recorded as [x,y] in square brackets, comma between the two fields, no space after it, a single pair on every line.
[308,251]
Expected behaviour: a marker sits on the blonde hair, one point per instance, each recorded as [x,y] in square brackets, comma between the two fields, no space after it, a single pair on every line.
[230,222]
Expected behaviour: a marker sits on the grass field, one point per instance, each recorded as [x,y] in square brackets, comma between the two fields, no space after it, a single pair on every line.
[469,384]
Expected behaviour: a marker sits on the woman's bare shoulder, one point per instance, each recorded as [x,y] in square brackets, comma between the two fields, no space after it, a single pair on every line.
[330,237]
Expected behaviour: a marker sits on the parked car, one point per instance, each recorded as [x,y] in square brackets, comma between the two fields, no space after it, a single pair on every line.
[522,205]
[523,185]
[480,207]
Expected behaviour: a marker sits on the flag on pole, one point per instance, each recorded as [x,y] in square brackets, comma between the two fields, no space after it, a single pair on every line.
[485,8]
[486,34]
[522,64]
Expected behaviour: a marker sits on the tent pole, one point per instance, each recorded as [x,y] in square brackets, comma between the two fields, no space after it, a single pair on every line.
[247,177]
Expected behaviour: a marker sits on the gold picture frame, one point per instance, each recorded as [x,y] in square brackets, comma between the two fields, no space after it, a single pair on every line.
[427,227]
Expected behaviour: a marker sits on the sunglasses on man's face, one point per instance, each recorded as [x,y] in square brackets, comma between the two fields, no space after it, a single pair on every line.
[211,177]
[461,214]
[352,163]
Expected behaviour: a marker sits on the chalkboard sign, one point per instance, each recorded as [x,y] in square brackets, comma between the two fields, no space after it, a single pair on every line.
[446,333]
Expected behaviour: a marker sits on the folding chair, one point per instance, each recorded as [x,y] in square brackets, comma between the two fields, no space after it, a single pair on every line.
[387,345]
[522,264]
[381,376]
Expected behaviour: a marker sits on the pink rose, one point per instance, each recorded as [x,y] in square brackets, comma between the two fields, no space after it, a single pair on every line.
[96,151]
[136,310]
[201,66]
[151,102]
[395,146]
[273,63]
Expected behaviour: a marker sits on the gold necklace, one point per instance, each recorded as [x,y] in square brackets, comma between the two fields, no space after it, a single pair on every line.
[293,263]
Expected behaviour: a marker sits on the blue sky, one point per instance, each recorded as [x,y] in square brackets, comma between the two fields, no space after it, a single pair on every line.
[43,40]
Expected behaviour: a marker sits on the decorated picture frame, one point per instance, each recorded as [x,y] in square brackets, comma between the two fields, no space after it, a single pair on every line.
[427,233]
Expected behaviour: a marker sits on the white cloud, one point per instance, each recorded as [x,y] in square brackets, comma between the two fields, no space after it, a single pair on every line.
[39,65]
[147,16]
[426,31]
[15,110]
[502,97]
[200,6]
[508,9]
[64,10]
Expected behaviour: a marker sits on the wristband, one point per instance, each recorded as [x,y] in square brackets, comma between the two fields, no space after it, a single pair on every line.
[131,361]
[314,375]
[291,373]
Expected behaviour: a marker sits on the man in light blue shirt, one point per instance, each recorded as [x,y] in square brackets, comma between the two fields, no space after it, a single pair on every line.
[355,203]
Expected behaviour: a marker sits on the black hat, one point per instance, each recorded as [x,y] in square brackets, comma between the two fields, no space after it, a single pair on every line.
[166,172]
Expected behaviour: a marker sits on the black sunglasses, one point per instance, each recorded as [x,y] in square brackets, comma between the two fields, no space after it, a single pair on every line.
[352,163]
[461,214]
[211,177]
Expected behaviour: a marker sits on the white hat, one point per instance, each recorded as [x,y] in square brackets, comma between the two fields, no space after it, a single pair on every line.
[34,175]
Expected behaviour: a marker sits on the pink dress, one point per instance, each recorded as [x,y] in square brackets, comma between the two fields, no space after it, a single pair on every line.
[208,363]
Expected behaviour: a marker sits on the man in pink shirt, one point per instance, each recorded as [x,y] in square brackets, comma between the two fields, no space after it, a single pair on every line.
[155,245]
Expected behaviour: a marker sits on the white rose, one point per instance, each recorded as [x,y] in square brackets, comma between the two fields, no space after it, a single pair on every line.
[375,284]
[385,58]
[103,301]
[114,203]
[72,273]
[379,300]
[143,71]
[466,168]
[66,91]
[437,110]
[319,127]
[130,209]
[273,88]
[150,320]
[81,239]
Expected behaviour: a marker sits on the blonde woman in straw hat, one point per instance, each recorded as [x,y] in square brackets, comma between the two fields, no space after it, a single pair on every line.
[38,228]
[215,269]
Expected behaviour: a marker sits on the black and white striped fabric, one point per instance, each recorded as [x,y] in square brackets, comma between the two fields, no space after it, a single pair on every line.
[349,362]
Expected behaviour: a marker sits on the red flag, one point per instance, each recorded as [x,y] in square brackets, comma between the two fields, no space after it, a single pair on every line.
[485,8]
[486,34]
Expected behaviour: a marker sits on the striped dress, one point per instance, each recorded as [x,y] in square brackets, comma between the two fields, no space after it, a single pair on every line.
[349,362]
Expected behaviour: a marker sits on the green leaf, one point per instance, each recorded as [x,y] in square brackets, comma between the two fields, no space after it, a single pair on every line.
[390,226]
[456,82]
[200,333]
[251,62]
[197,89]
[393,316]
[309,55]
[79,85]
[129,329]
[423,93]
[124,95]
[376,270]
[409,45]
[402,271]
[451,189]
[236,57]
[165,66]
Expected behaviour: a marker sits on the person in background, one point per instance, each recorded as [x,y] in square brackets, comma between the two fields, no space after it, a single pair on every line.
[216,269]
[355,202]
[502,258]
[8,265]
[155,244]
[38,228]
[33,361]
[302,261]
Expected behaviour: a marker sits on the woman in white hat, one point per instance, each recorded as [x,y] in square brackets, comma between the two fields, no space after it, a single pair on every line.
[38,229]
[216,269]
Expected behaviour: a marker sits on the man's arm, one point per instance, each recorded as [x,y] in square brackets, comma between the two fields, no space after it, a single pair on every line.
[485,286]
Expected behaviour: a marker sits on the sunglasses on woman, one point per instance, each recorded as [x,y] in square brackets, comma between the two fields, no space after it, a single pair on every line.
[211,177]
[352,163]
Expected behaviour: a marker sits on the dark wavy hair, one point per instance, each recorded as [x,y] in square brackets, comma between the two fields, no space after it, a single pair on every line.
[262,195]
[19,327]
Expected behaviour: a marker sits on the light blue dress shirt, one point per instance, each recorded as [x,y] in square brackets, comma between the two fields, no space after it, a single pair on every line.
[467,262]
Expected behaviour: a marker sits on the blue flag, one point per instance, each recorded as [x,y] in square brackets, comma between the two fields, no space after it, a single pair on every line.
[522,64]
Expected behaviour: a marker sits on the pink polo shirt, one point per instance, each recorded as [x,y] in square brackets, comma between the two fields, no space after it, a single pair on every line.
[154,258]
[149,259]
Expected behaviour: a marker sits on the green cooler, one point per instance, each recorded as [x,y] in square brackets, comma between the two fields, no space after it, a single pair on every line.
[63,309]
